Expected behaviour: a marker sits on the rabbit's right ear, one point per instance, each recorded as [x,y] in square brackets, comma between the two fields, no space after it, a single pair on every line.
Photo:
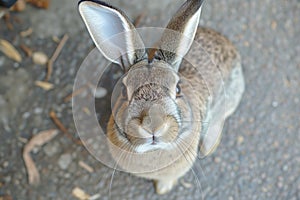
[179,34]
[112,32]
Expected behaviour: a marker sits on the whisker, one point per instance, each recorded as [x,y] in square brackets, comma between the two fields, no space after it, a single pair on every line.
[194,173]
[195,154]
[114,170]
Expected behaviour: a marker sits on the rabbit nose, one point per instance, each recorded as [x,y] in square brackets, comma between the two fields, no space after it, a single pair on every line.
[152,119]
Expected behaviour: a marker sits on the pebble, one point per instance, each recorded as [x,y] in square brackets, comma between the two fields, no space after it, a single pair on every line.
[39,58]
[38,110]
[51,149]
[64,161]
[26,115]
[16,65]
[285,168]
[217,159]
[240,140]
[5,164]
[274,104]
[100,92]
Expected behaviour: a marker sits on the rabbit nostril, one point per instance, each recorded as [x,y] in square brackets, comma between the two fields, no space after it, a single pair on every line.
[154,140]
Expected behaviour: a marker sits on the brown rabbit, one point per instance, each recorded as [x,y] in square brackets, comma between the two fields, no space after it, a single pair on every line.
[170,105]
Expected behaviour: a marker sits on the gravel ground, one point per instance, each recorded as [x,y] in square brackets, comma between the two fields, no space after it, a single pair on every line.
[258,157]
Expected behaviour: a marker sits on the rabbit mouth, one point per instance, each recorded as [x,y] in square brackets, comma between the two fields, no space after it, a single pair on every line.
[152,146]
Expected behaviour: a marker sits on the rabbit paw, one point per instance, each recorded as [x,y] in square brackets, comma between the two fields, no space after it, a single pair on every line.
[163,187]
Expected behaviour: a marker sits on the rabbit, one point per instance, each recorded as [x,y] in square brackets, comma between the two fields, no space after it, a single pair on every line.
[168,111]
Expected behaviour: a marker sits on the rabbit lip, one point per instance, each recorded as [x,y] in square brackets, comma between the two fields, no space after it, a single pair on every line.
[147,132]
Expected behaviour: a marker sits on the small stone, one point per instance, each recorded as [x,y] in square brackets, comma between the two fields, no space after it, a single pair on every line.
[16,65]
[264,189]
[26,115]
[240,139]
[274,25]
[51,149]
[64,161]
[274,104]
[67,175]
[17,182]
[39,58]
[246,44]
[217,159]
[38,110]
[7,179]
[100,92]
[285,168]
[5,164]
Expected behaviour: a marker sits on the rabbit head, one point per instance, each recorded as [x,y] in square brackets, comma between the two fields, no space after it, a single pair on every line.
[152,106]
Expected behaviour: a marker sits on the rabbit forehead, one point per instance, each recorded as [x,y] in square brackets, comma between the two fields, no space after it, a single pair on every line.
[158,73]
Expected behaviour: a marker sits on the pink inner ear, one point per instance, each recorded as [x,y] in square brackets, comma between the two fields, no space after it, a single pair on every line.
[111,31]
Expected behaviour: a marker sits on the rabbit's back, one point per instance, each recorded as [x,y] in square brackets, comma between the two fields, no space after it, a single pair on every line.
[213,68]
[212,58]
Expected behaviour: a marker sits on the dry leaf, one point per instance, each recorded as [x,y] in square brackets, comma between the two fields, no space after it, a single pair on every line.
[80,194]
[86,166]
[19,6]
[40,3]
[55,39]
[38,140]
[9,50]
[26,32]
[39,58]
[45,85]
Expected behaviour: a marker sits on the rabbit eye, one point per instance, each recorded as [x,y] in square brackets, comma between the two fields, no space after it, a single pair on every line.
[178,90]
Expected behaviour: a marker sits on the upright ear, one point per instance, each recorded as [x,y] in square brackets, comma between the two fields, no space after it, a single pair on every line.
[112,32]
[179,34]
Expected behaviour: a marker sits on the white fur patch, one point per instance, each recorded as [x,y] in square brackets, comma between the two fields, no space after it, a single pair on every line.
[151,147]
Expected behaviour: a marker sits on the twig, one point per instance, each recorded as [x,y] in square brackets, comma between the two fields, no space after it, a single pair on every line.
[55,55]
[75,93]
[26,49]
[26,32]
[138,19]
[7,21]
[38,140]
[58,123]
[86,166]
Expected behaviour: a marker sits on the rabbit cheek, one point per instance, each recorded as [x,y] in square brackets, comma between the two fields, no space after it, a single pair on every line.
[134,135]
[172,132]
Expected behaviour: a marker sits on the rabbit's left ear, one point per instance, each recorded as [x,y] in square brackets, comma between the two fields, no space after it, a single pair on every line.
[112,32]
[179,34]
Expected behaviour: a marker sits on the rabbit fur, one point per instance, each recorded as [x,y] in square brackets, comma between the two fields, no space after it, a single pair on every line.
[170,110]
